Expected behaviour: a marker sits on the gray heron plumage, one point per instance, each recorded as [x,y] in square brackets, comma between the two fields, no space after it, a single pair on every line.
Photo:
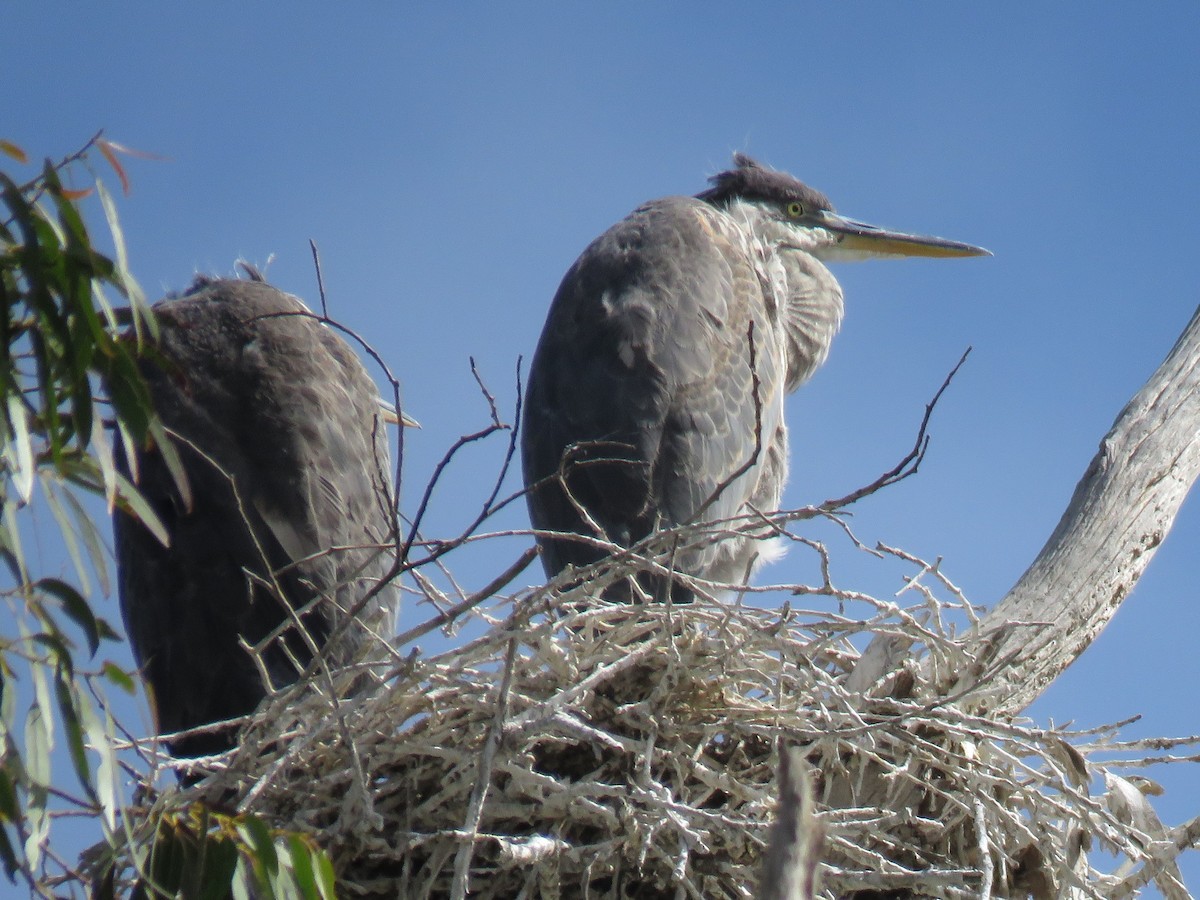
[282,439]
[655,396]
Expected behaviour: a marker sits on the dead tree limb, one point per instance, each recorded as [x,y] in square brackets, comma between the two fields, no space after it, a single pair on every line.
[1122,509]
[794,853]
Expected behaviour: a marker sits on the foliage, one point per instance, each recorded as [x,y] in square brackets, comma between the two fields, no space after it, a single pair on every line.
[199,854]
[69,386]
[62,340]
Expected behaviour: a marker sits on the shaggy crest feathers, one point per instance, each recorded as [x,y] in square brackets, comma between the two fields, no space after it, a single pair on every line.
[751,180]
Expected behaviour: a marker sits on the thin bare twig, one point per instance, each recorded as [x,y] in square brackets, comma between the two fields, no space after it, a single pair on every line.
[912,460]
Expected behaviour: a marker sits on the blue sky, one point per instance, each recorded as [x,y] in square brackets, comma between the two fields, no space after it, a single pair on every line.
[451,163]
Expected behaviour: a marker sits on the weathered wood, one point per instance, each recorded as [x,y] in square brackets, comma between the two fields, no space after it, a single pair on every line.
[794,853]
[1120,513]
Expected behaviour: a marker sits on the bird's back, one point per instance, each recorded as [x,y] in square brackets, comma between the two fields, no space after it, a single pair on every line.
[287,466]
[642,377]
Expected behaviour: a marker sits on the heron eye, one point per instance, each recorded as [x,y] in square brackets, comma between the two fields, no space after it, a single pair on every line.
[795,210]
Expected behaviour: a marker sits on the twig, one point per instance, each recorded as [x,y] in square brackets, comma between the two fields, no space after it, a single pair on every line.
[320,278]
[444,618]
[912,460]
[462,861]
[794,851]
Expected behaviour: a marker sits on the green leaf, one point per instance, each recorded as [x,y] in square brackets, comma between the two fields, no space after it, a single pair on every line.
[170,455]
[8,856]
[55,641]
[140,508]
[11,149]
[37,768]
[68,700]
[12,530]
[217,867]
[242,886]
[75,607]
[118,676]
[114,225]
[50,488]
[129,395]
[301,863]
[101,739]
[91,539]
[21,456]
[326,879]
[44,725]
[258,838]
[10,806]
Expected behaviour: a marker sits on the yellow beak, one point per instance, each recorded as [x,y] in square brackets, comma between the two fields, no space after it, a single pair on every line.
[857,240]
[393,418]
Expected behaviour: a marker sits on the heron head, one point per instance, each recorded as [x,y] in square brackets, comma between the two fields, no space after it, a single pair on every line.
[797,217]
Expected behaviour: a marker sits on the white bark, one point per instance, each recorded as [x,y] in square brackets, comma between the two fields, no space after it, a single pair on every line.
[793,855]
[1120,513]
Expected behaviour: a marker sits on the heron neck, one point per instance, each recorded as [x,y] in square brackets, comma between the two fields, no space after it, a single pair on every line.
[809,297]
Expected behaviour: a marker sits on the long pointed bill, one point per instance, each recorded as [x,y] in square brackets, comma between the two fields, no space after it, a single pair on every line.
[857,240]
[388,411]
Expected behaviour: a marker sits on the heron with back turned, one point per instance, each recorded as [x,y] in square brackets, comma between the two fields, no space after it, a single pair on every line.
[280,537]
[655,396]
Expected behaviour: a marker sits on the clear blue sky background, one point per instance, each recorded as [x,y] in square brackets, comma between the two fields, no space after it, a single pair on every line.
[451,160]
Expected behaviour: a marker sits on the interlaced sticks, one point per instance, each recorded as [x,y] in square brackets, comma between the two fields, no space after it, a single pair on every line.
[572,741]
[584,745]
[655,554]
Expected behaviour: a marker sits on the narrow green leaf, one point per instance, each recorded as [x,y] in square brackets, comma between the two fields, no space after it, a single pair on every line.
[11,149]
[218,867]
[100,737]
[129,395]
[50,489]
[53,640]
[169,452]
[140,508]
[242,885]
[10,806]
[258,838]
[101,298]
[22,461]
[75,607]
[38,744]
[41,702]
[283,885]
[143,320]
[118,676]
[326,879]
[37,826]
[8,710]
[65,207]
[92,539]
[300,856]
[8,856]
[114,225]
[13,530]
[129,446]
[68,710]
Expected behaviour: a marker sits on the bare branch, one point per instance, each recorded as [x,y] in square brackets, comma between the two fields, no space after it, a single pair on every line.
[912,460]
[1121,511]
[794,851]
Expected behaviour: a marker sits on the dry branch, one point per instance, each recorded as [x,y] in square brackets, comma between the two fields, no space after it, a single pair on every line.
[1120,513]
[794,854]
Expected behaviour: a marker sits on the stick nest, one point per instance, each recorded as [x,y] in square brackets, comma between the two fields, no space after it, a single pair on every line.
[580,748]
